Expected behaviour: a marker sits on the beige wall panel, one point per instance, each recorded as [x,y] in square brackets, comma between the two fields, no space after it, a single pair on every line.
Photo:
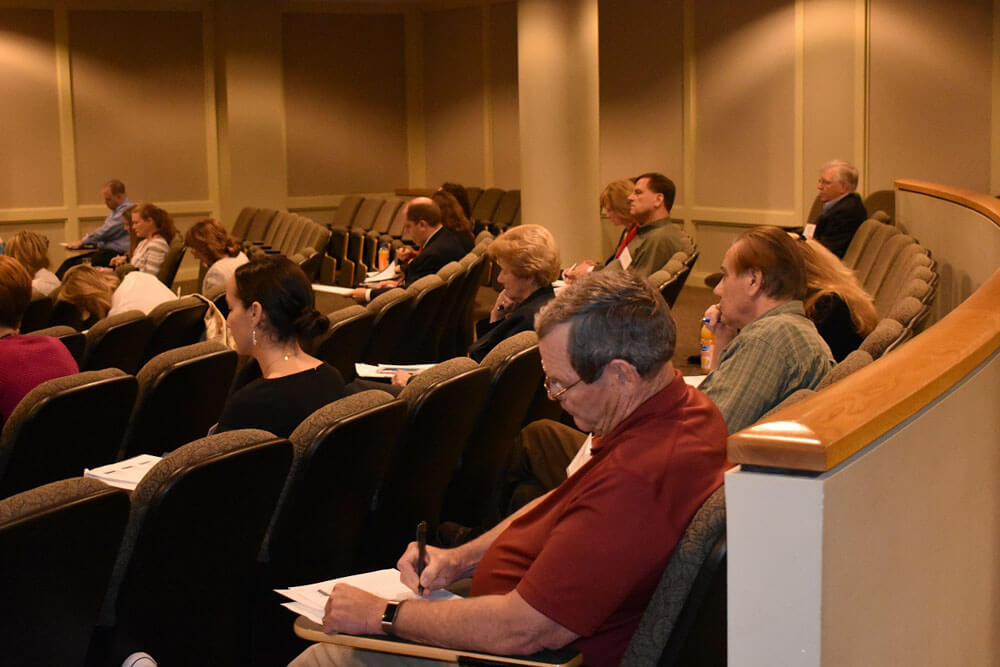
[503,94]
[30,173]
[642,103]
[830,89]
[139,103]
[345,102]
[930,92]
[453,99]
[745,106]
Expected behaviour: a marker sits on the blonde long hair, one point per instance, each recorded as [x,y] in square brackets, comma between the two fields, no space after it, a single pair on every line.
[88,289]
[826,274]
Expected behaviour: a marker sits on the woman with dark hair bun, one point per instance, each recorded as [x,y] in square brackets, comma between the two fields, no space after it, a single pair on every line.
[270,311]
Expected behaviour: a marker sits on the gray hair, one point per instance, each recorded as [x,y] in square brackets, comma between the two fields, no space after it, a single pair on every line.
[846,173]
[612,315]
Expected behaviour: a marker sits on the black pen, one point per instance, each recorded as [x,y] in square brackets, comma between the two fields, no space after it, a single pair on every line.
[421,554]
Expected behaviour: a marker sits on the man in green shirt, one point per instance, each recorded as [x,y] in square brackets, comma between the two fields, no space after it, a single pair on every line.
[765,346]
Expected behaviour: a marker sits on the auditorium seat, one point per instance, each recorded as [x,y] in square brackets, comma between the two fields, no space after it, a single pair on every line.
[181,394]
[443,404]
[685,620]
[856,360]
[473,193]
[415,344]
[887,332]
[380,229]
[476,265]
[242,222]
[343,217]
[486,205]
[63,426]
[341,453]
[176,323]
[515,374]
[391,311]
[65,313]
[172,261]
[70,337]
[180,589]
[259,223]
[58,543]
[118,341]
[507,209]
[38,313]
[445,328]
[343,343]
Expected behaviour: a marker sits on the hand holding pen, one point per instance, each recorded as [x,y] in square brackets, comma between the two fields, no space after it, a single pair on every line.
[421,554]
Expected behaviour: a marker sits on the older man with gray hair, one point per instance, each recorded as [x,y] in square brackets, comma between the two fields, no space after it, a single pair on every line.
[579,565]
[843,210]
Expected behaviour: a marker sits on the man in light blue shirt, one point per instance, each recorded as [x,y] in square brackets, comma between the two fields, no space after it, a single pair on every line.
[111,238]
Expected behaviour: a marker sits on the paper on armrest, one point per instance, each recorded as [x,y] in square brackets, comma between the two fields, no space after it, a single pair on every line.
[382,371]
[388,273]
[694,380]
[309,600]
[125,474]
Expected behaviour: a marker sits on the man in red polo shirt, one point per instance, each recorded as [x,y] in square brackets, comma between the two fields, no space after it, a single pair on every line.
[578,565]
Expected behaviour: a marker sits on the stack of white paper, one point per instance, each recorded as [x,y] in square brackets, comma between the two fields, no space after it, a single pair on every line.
[386,274]
[384,371]
[309,600]
[125,474]
[333,289]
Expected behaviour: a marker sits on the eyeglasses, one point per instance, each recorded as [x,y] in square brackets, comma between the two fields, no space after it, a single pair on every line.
[555,390]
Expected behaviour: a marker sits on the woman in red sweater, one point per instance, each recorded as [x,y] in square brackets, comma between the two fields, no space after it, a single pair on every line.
[25,361]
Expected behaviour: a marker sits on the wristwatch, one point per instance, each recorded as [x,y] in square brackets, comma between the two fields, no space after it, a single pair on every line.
[389,616]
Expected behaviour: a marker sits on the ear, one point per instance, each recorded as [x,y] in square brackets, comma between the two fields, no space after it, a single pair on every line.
[256,312]
[755,285]
[622,372]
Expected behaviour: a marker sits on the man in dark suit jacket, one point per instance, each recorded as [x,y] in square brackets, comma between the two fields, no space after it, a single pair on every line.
[843,211]
[438,246]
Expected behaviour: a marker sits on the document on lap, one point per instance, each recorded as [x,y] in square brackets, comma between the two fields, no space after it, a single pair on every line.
[125,474]
[309,600]
[382,371]
[388,273]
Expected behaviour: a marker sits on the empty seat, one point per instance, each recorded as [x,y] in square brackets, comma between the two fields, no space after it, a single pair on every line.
[391,311]
[58,543]
[886,333]
[259,223]
[515,373]
[118,341]
[486,205]
[181,394]
[344,342]
[181,585]
[242,223]
[176,323]
[63,426]
[341,454]
[419,333]
[172,261]
[507,209]
[444,402]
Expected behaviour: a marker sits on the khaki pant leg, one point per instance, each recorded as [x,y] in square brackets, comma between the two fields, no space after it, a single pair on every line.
[332,655]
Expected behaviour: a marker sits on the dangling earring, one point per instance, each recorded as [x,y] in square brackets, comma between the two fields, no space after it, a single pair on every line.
[253,337]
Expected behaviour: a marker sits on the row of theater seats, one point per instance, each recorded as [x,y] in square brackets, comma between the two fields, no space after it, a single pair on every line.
[185,569]
[97,417]
[128,340]
[670,279]
[899,274]
[428,321]
[266,230]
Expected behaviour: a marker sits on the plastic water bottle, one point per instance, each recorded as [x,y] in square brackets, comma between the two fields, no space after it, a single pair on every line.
[383,256]
[707,345]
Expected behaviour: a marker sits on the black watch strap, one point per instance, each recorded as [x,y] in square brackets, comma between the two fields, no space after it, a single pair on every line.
[389,616]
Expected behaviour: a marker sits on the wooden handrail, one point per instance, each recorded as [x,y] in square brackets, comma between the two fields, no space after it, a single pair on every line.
[825,429]
[985,204]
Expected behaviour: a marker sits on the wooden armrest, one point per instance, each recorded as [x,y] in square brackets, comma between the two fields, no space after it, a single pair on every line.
[312,632]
